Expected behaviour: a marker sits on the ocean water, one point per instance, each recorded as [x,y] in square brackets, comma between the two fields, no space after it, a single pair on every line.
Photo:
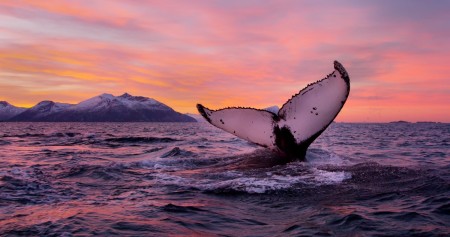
[192,179]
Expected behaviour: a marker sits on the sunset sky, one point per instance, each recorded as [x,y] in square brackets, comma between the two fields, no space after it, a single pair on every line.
[252,53]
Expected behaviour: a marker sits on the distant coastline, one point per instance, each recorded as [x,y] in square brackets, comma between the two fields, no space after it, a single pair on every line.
[400,121]
[407,122]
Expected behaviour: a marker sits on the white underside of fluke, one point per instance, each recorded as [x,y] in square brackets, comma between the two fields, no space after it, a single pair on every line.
[303,117]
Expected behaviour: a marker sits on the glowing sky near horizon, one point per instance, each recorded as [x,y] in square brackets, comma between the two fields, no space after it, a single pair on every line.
[230,53]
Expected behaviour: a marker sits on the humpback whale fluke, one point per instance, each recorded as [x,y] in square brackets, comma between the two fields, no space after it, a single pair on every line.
[299,121]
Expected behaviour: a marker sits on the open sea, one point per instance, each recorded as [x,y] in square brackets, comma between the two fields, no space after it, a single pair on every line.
[192,179]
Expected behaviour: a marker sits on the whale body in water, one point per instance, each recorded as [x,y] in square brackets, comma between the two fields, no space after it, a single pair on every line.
[296,125]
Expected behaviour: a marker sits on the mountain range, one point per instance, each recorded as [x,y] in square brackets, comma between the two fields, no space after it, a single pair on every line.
[102,108]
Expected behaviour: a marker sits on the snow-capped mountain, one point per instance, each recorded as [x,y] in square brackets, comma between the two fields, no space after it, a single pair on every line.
[124,108]
[8,111]
[41,112]
[104,108]
[106,101]
[274,109]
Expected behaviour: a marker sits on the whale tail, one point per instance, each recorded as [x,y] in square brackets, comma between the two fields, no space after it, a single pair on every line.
[296,125]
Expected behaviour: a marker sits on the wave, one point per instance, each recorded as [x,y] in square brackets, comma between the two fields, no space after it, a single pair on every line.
[105,173]
[177,152]
[25,135]
[141,140]
[4,143]
[180,209]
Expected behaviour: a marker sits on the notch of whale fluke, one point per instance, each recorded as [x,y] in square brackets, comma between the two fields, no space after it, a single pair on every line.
[296,125]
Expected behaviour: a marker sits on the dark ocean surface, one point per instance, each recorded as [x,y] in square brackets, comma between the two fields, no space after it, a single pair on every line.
[166,179]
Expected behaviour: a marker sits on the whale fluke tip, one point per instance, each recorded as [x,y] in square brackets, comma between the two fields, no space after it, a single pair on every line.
[201,110]
[338,66]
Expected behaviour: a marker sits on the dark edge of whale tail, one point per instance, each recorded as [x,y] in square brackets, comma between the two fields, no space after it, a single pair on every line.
[338,66]
[201,110]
